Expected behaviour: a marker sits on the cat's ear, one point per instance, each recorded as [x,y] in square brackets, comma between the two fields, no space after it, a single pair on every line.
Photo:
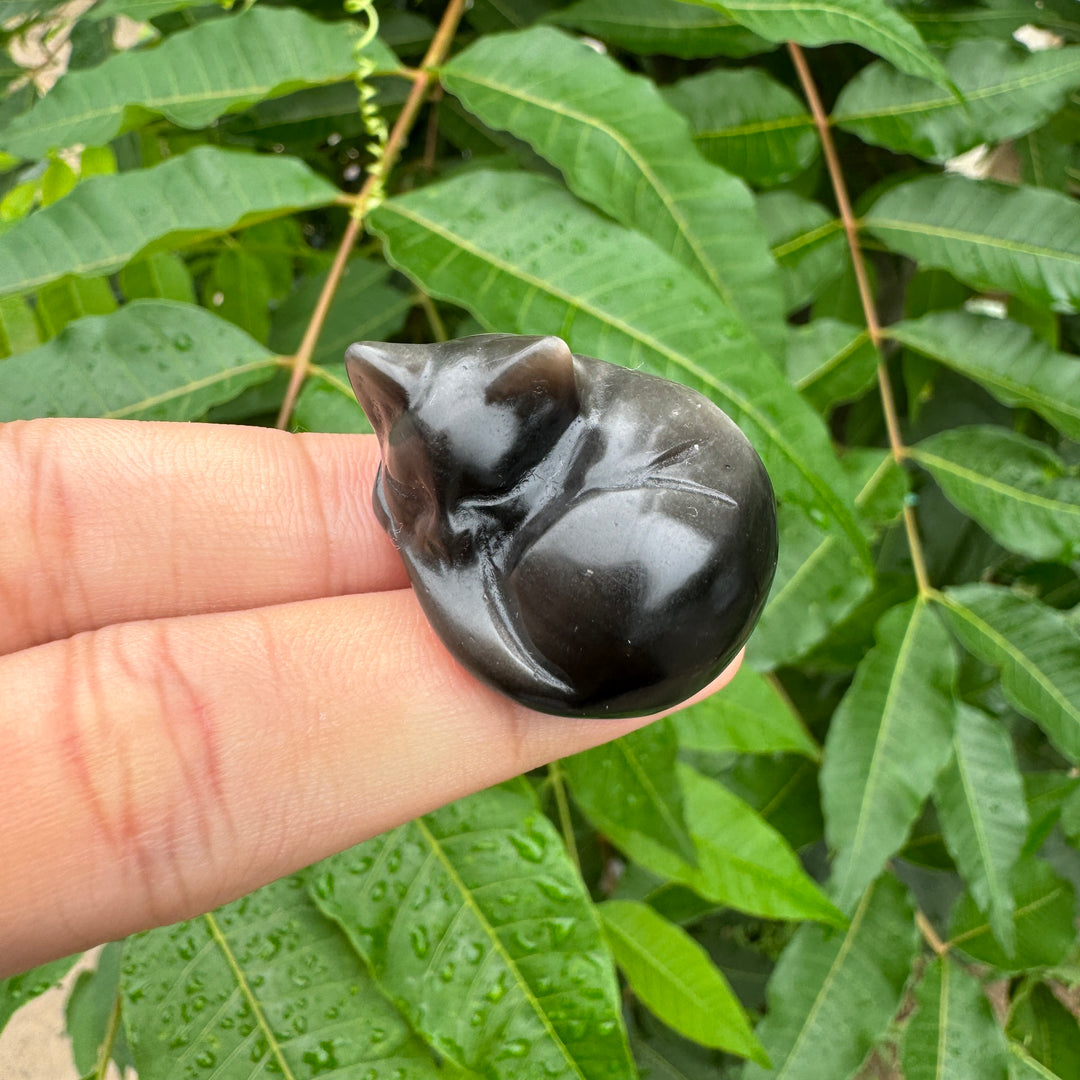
[384,377]
[542,368]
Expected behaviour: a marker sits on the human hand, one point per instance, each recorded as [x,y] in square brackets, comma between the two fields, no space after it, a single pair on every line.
[213,673]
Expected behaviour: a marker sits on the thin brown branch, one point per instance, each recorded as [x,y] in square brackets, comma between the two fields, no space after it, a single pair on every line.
[437,50]
[851,231]
[930,934]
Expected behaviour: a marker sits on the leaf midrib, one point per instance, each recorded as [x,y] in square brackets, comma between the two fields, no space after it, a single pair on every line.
[1016,655]
[1021,390]
[982,480]
[628,148]
[834,968]
[497,945]
[887,717]
[981,239]
[1018,83]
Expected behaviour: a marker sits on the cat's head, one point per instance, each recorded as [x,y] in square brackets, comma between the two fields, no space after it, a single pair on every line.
[467,417]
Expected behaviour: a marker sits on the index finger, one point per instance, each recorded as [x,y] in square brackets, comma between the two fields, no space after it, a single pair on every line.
[110,521]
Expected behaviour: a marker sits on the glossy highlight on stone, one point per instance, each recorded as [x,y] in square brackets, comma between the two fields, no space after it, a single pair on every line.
[588,539]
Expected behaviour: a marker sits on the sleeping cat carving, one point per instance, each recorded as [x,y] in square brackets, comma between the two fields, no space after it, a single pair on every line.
[590,540]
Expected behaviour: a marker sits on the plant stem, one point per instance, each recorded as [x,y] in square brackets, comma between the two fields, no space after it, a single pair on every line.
[112,1025]
[930,934]
[437,50]
[565,823]
[873,326]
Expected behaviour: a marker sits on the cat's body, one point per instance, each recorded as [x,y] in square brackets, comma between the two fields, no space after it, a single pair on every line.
[588,539]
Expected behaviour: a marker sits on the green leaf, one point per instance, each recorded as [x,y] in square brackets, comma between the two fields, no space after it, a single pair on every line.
[475,921]
[818,583]
[89,1004]
[1024,1067]
[636,775]
[1020,240]
[954,20]
[17,990]
[827,983]
[674,977]
[70,298]
[141,10]
[869,23]
[162,276]
[18,327]
[238,289]
[1043,918]
[953,1034]
[327,403]
[747,122]
[980,803]
[888,740]
[1006,90]
[1017,489]
[1005,358]
[749,716]
[622,148]
[194,76]
[1048,1031]
[366,307]
[263,985]
[830,362]
[151,360]
[527,258]
[108,220]
[661,26]
[1035,648]
[808,243]
[741,861]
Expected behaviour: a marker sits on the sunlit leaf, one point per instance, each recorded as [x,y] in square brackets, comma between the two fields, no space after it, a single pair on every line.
[108,220]
[749,716]
[1035,648]
[18,327]
[525,257]
[1043,918]
[234,62]
[674,977]
[151,360]
[808,243]
[741,861]
[622,148]
[1024,241]
[637,775]
[1004,357]
[953,1034]
[873,24]
[162,276]
[474,919]
[264,985]
[980,802]
[749,123]
[661,26]
[888,739]
[820,977]
[1006,90]
[1018,489]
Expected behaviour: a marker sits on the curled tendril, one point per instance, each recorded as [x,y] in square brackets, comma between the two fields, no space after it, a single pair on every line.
[374,124]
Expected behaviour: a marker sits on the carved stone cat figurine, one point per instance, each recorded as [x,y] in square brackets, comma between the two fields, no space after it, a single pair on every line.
[590,540]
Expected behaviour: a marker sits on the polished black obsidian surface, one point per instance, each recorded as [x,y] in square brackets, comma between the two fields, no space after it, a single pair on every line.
[590,540]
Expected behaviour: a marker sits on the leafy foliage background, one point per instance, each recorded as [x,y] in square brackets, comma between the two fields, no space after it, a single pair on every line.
[860,858]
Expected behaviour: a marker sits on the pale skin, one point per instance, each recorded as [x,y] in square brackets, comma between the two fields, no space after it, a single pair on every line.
[212,673]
